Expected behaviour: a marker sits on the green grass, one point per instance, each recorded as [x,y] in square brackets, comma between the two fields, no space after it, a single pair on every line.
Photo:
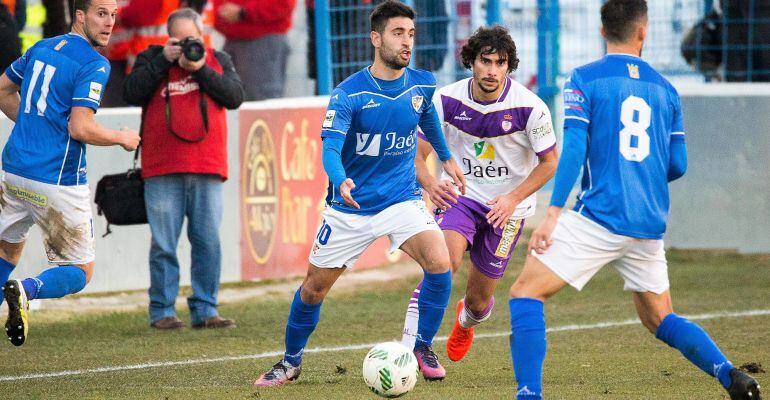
[613,363]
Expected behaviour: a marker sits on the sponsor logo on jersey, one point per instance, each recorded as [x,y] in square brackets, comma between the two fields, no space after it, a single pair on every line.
[60,45]
[259,191]
[633,71]
[95,91]
[463,117]
[542,131]
[573,96]
[370,104]
[484,153]
[416,103]
[484,150]
[369,144]
[329,119]
[102,69]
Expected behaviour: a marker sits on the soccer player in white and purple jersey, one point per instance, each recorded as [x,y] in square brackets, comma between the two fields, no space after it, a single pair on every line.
[501,135]
[623,125]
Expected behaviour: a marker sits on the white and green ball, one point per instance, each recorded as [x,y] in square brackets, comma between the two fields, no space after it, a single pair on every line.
[390,369]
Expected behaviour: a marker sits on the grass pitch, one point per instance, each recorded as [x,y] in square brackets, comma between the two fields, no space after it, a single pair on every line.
[623,362]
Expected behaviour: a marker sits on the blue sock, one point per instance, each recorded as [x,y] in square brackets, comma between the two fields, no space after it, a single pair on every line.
[303,319]
[5,273]
[55,283]
[434,297]
[528,346]
[696,345]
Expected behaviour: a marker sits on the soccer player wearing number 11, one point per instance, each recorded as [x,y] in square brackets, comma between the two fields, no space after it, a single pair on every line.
[44,162]
[623,125]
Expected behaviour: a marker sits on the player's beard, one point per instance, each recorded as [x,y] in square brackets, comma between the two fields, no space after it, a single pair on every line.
[391,58]
[91,38]
[485,90]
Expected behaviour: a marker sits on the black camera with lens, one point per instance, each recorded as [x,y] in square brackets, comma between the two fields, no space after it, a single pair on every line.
[192,48]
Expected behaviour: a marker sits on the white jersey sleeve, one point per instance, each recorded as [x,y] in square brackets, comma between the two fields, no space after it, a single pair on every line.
[540,130]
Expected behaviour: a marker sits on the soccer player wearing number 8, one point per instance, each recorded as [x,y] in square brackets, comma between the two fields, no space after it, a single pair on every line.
[369,147]
[623,125]
[44,162]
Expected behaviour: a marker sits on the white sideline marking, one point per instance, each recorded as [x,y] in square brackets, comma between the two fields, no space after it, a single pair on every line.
[271,354]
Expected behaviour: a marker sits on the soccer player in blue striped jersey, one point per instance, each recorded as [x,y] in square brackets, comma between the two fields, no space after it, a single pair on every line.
[61,80]
[623,126]
[369,146]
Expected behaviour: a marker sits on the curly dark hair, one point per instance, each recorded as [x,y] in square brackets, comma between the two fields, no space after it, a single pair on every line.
[491,40]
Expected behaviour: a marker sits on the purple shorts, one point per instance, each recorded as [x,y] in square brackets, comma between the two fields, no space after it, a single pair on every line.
[490,248]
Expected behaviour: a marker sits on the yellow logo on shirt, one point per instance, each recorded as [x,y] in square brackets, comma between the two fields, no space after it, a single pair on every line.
[633,71]
[484,151]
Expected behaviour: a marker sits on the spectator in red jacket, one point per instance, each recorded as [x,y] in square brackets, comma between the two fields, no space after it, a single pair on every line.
[255,33]
[184,161]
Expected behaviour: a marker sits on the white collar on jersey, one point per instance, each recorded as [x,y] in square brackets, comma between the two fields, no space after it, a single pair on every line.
[374,80]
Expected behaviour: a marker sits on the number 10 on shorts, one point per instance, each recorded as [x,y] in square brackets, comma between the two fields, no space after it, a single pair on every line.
[324,233]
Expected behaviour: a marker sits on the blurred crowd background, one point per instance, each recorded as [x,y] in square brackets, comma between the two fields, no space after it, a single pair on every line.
[274,42]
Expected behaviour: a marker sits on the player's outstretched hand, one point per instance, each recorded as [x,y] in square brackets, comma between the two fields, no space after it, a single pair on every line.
[441,193]
[541,236]
[345,189]
[129,139]
[454,172]
[502,209]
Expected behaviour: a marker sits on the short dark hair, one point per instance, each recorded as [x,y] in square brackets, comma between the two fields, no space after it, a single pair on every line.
[387,10]
[619,18]
[81,5]
[490,41]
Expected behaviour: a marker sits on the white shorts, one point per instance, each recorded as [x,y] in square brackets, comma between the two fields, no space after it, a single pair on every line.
[343,237]
[581,247]
[63,214]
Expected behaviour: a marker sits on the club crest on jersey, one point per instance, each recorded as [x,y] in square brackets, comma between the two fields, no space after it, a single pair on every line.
[416,103]
[633,71]
[506,125]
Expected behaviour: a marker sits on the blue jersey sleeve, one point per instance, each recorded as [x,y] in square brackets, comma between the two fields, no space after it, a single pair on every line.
[339,115]
[15,71]
[678,160]
[90,84]
[577,110]
[431,130]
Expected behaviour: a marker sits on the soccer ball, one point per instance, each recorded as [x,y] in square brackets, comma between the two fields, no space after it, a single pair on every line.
[390,369]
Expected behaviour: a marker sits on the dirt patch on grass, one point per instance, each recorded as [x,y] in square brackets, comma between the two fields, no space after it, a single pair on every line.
[752,368]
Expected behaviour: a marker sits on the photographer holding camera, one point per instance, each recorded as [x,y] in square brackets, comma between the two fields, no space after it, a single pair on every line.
[184,88]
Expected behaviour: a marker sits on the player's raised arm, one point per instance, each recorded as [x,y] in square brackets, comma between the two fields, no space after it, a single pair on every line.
[9,97]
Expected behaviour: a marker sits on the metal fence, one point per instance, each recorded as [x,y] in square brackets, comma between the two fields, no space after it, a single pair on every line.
[553,37]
